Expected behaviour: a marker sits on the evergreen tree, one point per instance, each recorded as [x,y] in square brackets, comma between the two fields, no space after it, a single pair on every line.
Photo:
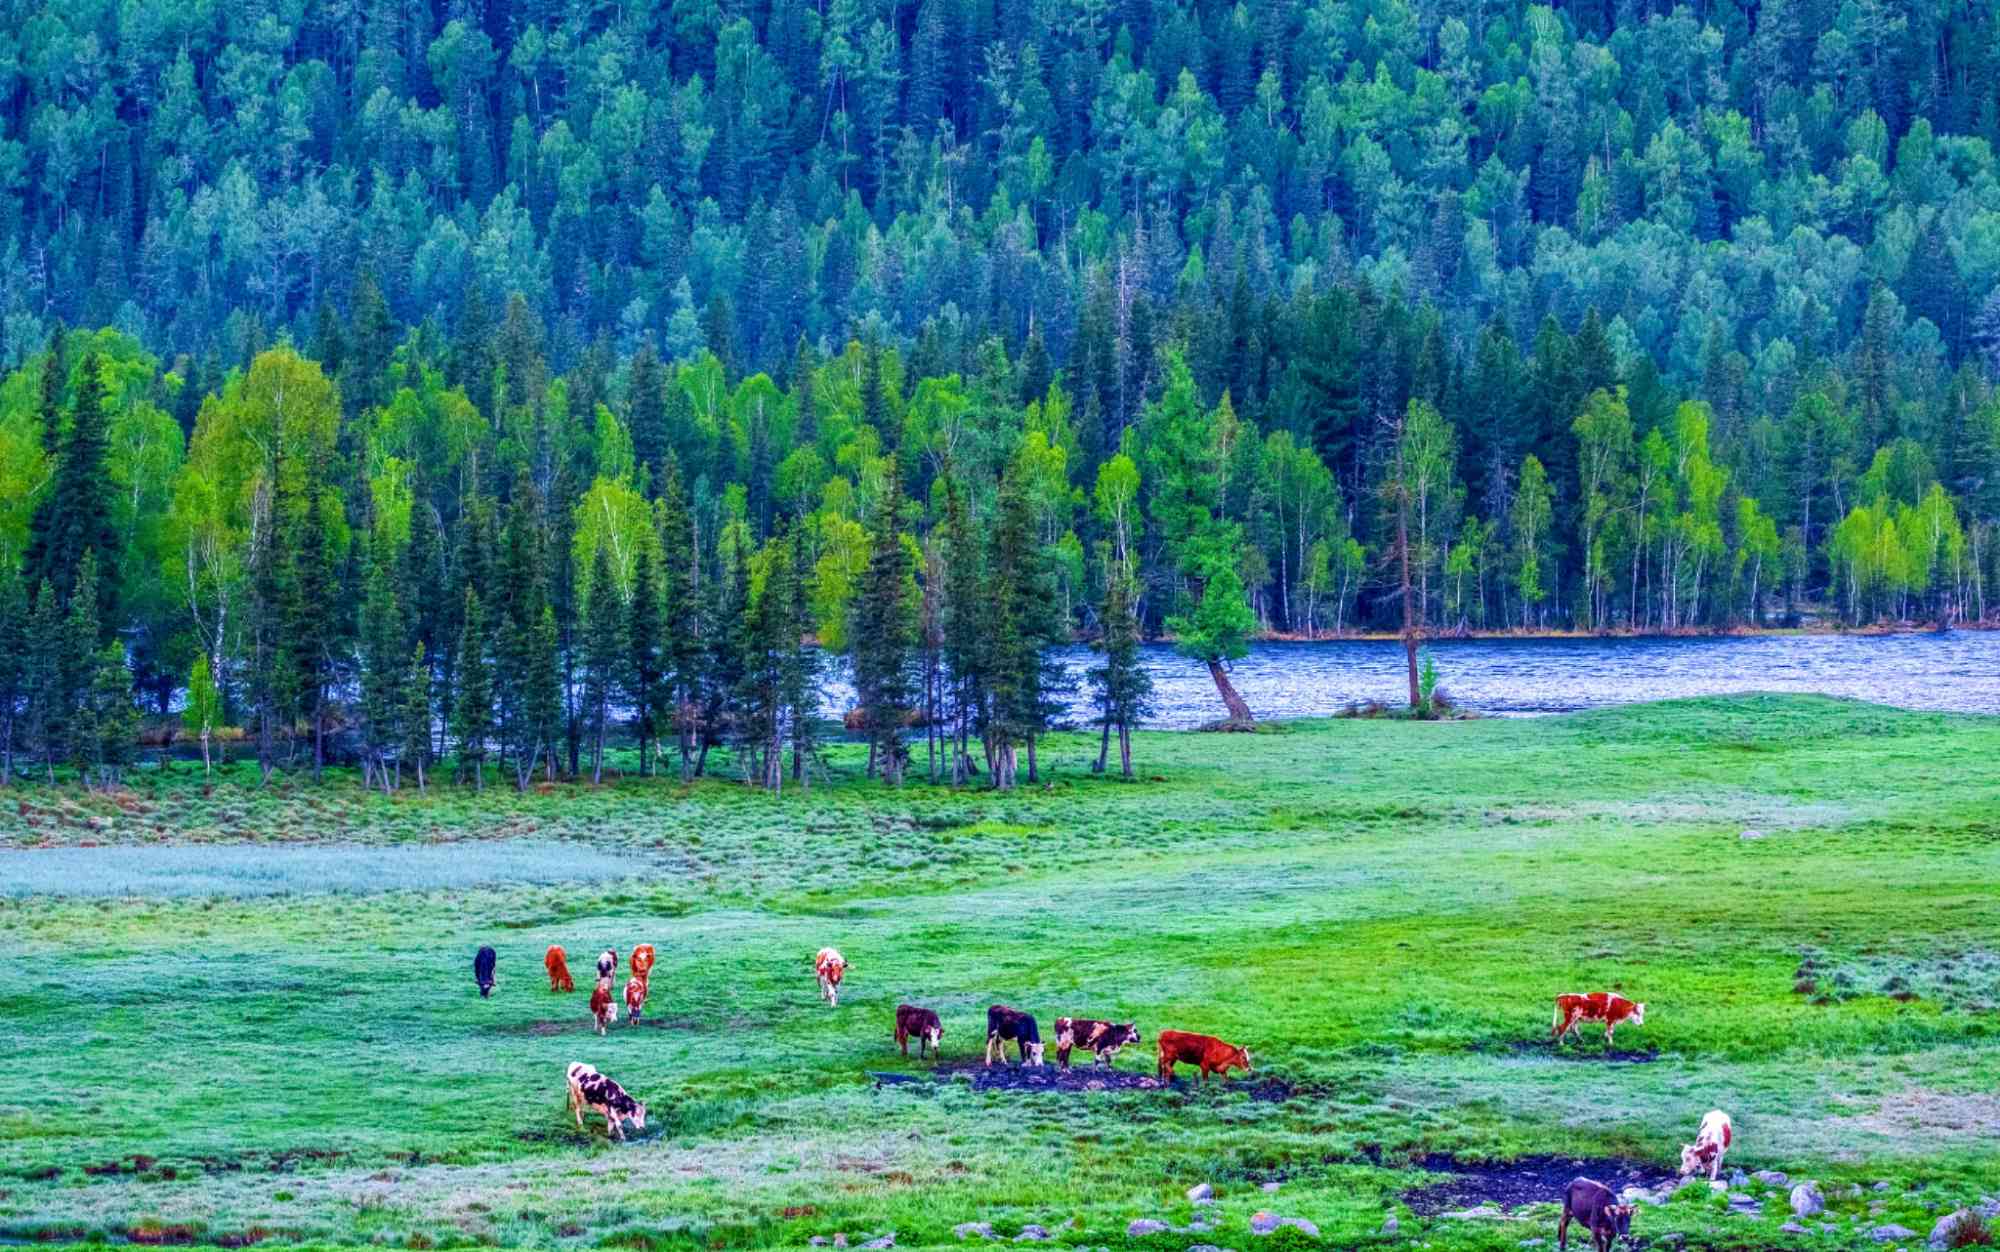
[383,661]
[647,690]
[74,518]
[882,637]
[418,712]
[112,715]
[604,655]
[1123,685]
[472,704]
[47,705]
[15,646]
[800,675]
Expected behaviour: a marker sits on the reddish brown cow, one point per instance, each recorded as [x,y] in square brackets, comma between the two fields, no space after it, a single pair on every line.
[642,961]
[557,963]
[1212,1054]
[920,1024]
[1598,1006]
[601,1008]
[635,997]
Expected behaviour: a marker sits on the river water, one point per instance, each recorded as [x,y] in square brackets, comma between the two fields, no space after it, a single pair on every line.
[1957,671]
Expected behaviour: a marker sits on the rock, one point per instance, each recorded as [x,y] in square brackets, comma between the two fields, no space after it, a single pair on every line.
[1196,1227]
[817,1241]
[1033,1234]
[1203,1247]
[1891,1233]
[1737,1178]
[1533,1243]
[1390,1225]
[1263,1223]
[1483,1212]
[1301,1225]
[1140,1227]
[840,1241]
[1807,1200]
[1751,834]
[1771,1177]
[1793,1228]
[1853,1191]
[1718,1187]
[886,1241]
[1947,1226]
[1829,1228]
[1744,1200]
[1882,1186]
[966,1230]
[1988,1207]
[1200,1192]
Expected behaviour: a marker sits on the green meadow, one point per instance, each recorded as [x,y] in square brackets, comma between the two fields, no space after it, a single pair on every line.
[235,1015]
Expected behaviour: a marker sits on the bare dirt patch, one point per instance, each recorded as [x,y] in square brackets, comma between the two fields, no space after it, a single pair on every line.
[1921,1112]
[1528,1180]
[1045,1078]
[1584,1054]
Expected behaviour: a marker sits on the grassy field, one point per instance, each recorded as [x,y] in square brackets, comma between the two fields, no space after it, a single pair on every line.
[262,1024]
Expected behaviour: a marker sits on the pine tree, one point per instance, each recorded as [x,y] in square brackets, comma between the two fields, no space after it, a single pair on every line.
[801,663]
[74,518]
[1124,687]
[14,649]
[383,659]
[966,640]
[77,671]
[883,637]
[682,652]
[112,715]
[603,656]
[417,715]
[645,668]
[316,641]
[47,702]
[472,707]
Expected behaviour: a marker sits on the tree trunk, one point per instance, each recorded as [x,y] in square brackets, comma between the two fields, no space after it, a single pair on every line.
[1104,745]
[1409,614]
[1125,748]
[1239,712]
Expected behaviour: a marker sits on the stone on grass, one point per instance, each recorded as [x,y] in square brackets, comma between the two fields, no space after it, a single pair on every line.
[1533,1243]
[818,1241]
[966,1230]
[1751,834]
[1033,1234]
[1737,1178]
[1203,1247]
[886,1241]
[1301,1225]
[1793,1228]
[1390,1225]
[1890,1233]
[1263,1223]
[1807,1200]
[1483,1212]
[1948,1226]
[1200,1192]
[1772,1177]
[1883,1186]
[1271,1188]
[1140,1227]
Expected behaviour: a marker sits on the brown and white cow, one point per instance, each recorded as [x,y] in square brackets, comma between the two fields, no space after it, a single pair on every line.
[601,1004]
[557,963]
[1002,1024]
[607,962]
[1598,1006]
[831,967]
[635,997]
[642,961]
[1710,1142]
[591,1090]
[1212,1054]
[919,1024]
[1100,1039]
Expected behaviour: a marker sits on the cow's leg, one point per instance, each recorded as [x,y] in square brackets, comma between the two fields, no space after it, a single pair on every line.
[576,1104]
[990,1037]
[1562,1231]
[1610,1029]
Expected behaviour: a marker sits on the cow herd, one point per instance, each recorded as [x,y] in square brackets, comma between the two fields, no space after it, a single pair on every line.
[1586,1202]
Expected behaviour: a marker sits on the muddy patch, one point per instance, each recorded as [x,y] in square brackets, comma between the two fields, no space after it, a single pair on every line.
[1528,1180]
[1585,1055]
[1044,1078]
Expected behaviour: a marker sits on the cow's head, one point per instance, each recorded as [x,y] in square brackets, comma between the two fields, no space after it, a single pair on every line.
[1128,1033]
[1243,1058]
[932,1034]
[1690,1159]
[486,986]
[1035,1053]
[1620,1217]
[1639,1014]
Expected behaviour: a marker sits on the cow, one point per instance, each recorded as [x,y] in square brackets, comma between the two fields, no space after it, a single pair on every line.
[482,971]
[1710,1142]
[601,1009]
[1212,1054]
[1598,1006]
[556,961]
[831,967]
[642,962]
[1592,1204]
[1101,1039]
[607,962]
[591,1090]
[922,1024]
[1002,1024]
[635,997]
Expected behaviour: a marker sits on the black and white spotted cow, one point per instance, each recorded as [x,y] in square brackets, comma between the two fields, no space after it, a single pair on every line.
[591,1090]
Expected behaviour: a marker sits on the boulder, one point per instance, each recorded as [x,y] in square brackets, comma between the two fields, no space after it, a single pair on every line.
[1140,1227]
[1948,1226]
[967,1230]
[1301,1225]
[1737,1178]
[1718,1187]
[1201,1193]
[1771,1177]
[1033,1234]
[1390,1225]
[1988,1207]
[886,1241]
[1793,1228]
[1263,1223]
[1807,1200]
[1891,1233]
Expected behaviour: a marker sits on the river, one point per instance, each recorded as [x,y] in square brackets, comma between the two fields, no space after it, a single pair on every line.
[1957,671]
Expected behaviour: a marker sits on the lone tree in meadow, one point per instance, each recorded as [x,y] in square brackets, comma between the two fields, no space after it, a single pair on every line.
[1217,629]
[1124,688]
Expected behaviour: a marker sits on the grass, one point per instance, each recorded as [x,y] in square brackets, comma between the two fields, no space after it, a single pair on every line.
[273,1033]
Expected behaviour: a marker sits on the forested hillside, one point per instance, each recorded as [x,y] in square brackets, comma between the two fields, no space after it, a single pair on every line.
[484,377]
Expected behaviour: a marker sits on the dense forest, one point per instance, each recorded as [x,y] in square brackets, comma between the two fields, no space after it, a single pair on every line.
[479,382]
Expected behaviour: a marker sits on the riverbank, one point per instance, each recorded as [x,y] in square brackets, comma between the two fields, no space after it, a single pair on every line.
[1802,890]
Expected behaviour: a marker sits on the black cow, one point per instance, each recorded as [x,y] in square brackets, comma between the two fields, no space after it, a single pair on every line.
[1592,1204]
[1002,1024]
[1101,1039]
[482,971]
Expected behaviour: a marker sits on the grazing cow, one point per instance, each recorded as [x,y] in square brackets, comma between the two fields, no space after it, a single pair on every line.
[642,961]
[831,967]
[635,997]
[557,963]
[482,971]
[1002,1024]
[600,1005]
[607,962]
[920,1023]
[1212,1054]
[1598,1006]
[1710,1142]
[1102,1039]
[591,1090]
[1592,1204]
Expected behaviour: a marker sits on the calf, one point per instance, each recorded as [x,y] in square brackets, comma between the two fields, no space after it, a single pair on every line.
[591,1090]
[557,963]
[1101,1039]
[1002,1024]
[607,962]
[1592,1204]
[600,1004]
[831,967]
[642,961]
[635,997]
[1598,1006]
[1710,1142]
[1212,1054]
[482,971]
[920,1023]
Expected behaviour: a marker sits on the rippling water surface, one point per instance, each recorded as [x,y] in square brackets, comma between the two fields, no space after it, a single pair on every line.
[1957,671]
